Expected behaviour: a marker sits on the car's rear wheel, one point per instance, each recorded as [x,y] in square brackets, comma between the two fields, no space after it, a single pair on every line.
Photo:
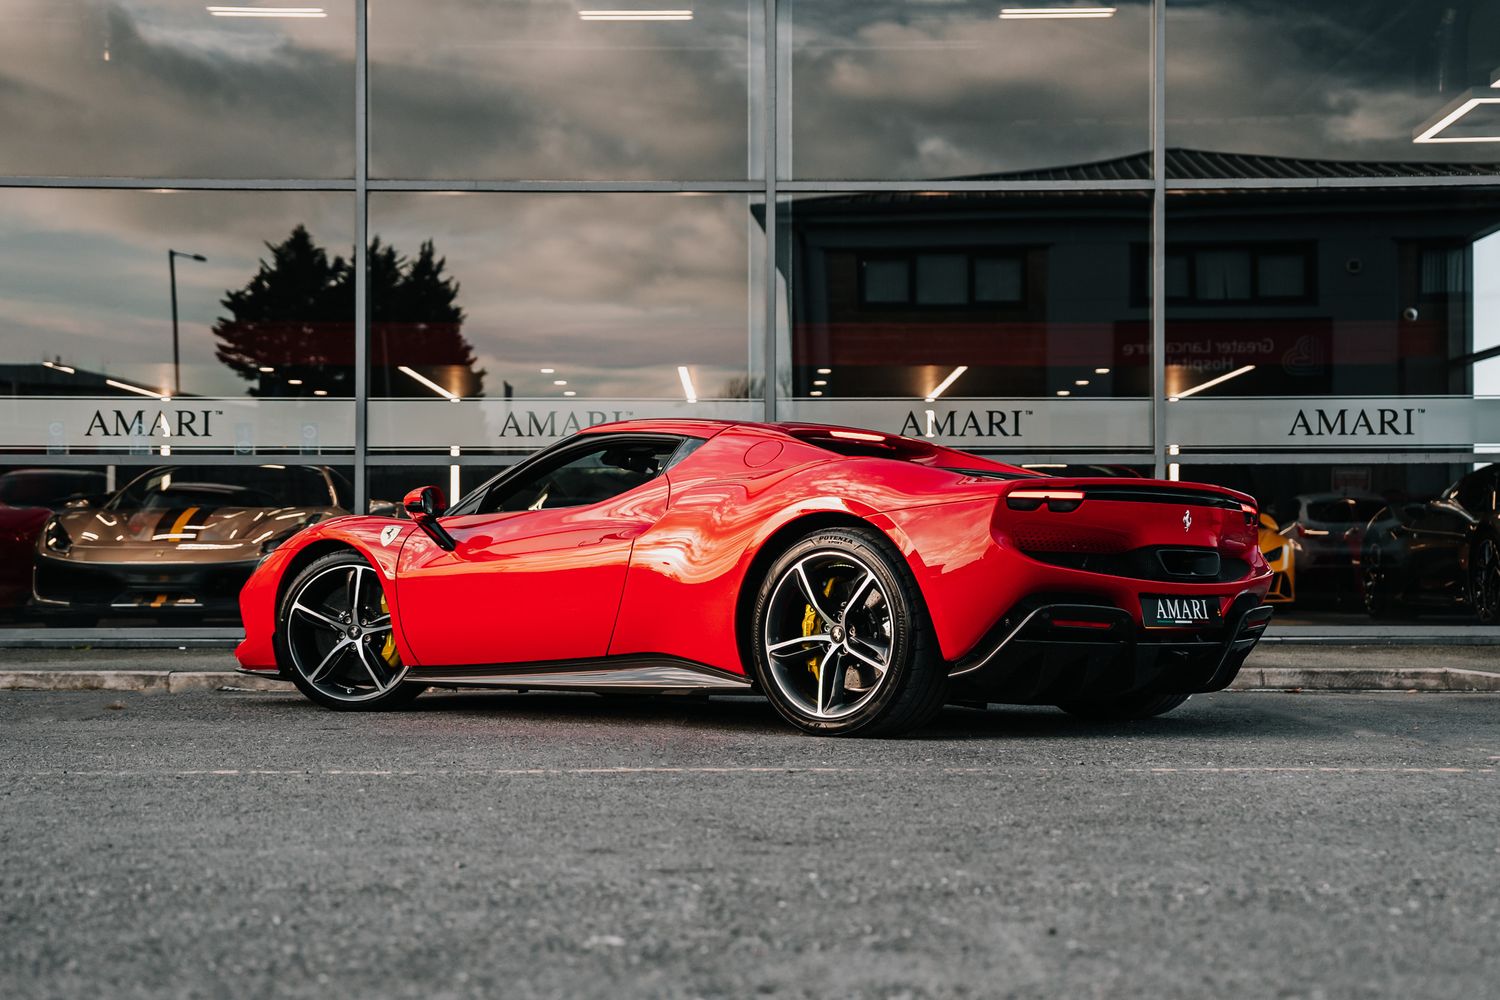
[334,638]
[1138,706]
[842,641]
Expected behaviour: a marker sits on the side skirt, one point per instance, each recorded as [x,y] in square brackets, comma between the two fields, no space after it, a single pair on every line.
[646,674]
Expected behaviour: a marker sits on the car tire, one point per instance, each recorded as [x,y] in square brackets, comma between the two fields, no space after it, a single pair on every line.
[1137,706]
[1484,580]
[842,644]
[329,623]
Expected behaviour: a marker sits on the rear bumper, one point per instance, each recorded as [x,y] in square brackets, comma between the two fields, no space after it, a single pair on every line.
[1046,653]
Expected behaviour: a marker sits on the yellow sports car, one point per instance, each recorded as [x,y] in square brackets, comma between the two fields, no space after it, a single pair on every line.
[1278,551]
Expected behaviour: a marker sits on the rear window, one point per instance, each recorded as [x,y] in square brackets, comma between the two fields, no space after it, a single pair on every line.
[1345,511]
[869,444]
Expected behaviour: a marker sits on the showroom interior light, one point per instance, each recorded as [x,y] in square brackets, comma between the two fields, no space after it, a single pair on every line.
[138,390]
[945,383]
[1053,13]
[686,378]
[57,367]
[1210,383]
[635,15]
[267,11]
[429,383]
[1431,130]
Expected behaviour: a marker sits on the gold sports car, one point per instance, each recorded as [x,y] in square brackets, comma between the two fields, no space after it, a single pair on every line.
[178,539]
[1281,554]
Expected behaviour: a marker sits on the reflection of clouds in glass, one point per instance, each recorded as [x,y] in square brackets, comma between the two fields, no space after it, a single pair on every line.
[181,94]
[1329,80]
[897,90]
[614,290]
[460,88]
[83,274]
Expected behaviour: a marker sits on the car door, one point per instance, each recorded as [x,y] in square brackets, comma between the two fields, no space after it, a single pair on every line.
[537,569]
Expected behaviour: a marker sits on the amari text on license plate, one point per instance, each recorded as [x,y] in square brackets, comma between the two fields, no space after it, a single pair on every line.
[1167,611]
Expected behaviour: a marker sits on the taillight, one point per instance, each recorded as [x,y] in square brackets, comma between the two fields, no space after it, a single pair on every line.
[1057,501]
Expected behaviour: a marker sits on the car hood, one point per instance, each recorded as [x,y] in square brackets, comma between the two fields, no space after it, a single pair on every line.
[183,534]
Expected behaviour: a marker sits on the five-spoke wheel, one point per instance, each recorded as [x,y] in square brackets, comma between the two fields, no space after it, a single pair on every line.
[842,643]
[334,637]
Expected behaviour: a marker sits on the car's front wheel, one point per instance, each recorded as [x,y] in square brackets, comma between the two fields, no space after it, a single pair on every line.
[334,638]
[842,641]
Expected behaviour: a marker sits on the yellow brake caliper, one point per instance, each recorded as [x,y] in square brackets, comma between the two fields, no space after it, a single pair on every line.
[388,651]
[810,625]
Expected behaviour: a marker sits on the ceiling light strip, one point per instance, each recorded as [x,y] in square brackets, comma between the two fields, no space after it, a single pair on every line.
[635,15]
[267,11]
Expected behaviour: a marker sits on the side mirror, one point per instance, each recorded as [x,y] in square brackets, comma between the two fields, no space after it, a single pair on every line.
[425,504]
[425,501]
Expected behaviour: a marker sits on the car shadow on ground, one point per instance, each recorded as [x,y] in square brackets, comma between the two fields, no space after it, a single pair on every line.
[753,714]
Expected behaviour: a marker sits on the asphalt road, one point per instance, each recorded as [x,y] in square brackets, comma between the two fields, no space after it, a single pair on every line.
[1248,845]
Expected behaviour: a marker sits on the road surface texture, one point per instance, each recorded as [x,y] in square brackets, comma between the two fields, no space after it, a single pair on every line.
[252,845]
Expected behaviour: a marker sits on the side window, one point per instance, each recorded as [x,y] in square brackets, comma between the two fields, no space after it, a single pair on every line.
[580,477]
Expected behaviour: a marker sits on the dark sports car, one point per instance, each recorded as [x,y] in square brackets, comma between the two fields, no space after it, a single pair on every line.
[178,539]
[859,580]
[1444,553]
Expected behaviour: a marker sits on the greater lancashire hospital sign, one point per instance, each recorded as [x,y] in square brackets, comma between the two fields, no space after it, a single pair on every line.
[246,425]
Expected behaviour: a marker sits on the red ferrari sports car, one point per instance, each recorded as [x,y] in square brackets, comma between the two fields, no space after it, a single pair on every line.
[858,580]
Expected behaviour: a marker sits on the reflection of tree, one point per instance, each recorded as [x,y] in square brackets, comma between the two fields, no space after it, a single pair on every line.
[295,317]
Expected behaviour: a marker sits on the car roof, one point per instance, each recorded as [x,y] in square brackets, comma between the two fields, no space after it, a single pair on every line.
[801,431]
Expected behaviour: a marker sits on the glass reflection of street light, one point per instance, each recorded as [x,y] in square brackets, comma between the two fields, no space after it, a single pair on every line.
[172,256]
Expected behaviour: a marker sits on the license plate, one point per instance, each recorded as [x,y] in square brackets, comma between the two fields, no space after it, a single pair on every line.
[1165,611]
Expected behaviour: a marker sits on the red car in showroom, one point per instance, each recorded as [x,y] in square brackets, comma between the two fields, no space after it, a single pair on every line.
[859,580]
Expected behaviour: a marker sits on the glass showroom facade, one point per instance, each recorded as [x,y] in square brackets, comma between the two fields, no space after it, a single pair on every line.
[284,261]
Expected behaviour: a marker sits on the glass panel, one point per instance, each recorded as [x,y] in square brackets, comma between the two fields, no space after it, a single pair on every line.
[154,321]
[942,279]
[998,279]
[1027,326]
[1356,293]
[1369,543]
[536,90]
[541,313]
[1380,86]
[149,546]
[166,88]
[889,89]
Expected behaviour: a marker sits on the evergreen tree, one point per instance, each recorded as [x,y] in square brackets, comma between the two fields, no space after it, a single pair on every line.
[296,316]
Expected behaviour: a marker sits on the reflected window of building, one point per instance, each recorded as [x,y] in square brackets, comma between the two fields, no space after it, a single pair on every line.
[1382,86]
[1344,293]
[889,89]
[1031,295]
[175,88]
[471,89]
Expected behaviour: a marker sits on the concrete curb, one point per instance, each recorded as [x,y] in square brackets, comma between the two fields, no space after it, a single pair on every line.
[170,681]
[1250,679]
[1354,679]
